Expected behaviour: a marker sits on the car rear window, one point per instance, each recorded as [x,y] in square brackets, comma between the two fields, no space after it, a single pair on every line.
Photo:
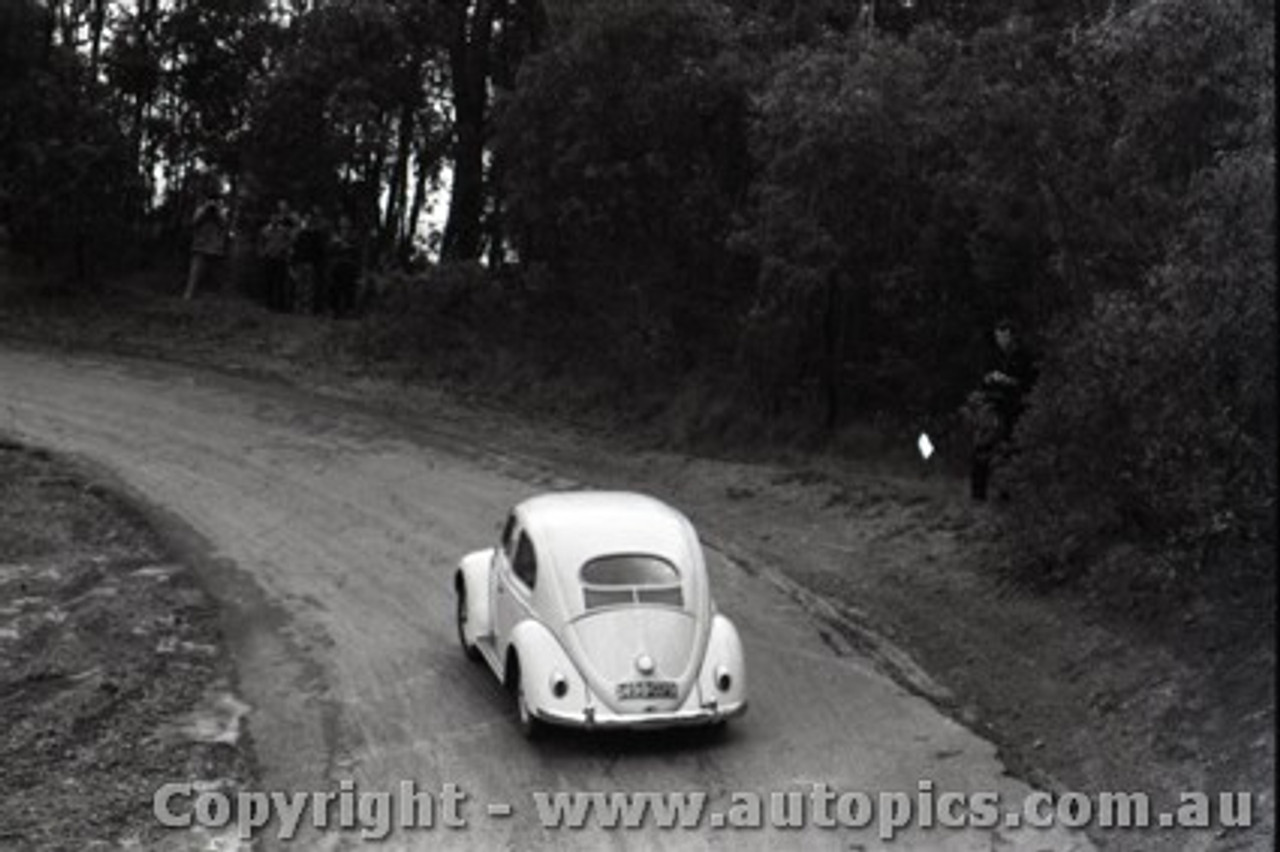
[630,579]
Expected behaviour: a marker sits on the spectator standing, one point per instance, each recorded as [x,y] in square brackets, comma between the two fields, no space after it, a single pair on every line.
[208,242]
[5,242]
[310,250]
[275,247]
[998,404]
[344,268]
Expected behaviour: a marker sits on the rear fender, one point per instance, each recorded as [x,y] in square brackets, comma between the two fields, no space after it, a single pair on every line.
[543,660]
[473,575]
[724,653]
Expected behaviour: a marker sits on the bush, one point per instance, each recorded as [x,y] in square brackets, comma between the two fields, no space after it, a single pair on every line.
[1155,422]
[447,316]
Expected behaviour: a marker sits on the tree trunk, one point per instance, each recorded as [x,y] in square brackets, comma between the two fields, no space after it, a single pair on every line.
[397,192]
[494,225]
[97,20]
[419,199]
[833,354]
[469,64]
[372,180]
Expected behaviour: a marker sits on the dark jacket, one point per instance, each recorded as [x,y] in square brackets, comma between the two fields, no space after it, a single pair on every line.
[1010,397]
[312,244]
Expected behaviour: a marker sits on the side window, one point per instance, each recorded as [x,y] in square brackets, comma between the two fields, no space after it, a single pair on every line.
[525,564]
[508,529]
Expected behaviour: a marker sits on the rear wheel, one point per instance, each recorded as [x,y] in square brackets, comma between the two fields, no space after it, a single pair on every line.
[468,647]
[530,725]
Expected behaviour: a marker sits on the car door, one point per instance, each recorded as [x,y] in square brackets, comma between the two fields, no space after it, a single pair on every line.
[498,568]
[516,579]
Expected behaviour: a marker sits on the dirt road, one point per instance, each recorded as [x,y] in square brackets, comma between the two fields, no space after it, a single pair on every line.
[332,535]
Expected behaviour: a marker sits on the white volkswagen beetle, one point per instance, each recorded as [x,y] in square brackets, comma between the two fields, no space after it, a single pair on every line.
[594,610]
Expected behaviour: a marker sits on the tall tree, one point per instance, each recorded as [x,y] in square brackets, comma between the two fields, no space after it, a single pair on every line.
[470,63]
[68,185]
[624,159]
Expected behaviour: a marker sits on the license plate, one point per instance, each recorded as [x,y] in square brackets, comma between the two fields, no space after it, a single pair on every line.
[641,689]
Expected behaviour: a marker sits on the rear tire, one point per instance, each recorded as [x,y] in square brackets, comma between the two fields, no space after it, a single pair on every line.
[531,727]
[468,647]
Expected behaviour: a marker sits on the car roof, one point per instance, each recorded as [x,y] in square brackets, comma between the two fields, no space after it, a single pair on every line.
[574,527]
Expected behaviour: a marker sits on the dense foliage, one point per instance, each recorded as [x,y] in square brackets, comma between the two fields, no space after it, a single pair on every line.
[67,183]
[803,215]
[626,160]
[1156,422]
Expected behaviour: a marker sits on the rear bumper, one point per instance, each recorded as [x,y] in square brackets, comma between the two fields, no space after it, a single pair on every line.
[706,715]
